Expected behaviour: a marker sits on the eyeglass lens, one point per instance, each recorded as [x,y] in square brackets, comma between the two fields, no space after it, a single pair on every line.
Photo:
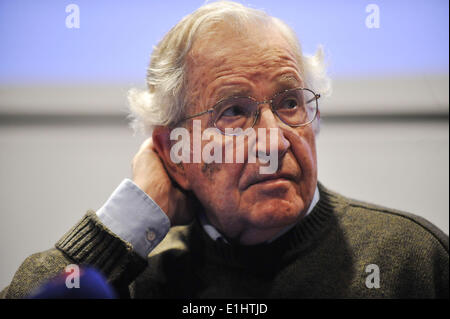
[294,107]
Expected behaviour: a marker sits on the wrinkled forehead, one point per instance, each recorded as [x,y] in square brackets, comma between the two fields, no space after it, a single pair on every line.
[227,57]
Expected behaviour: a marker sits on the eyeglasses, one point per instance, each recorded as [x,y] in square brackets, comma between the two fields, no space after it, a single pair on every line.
[294,107]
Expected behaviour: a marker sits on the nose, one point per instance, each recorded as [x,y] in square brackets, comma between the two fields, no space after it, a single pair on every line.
[268,120]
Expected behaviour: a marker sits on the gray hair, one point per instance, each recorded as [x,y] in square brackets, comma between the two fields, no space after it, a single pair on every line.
[163,103]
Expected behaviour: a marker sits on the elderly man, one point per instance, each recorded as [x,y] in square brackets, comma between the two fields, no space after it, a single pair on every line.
[247,232]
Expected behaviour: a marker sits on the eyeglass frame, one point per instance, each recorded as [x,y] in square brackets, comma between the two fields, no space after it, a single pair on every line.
[257,113]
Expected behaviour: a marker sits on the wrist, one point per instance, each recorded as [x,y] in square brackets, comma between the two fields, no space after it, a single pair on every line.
[154,192]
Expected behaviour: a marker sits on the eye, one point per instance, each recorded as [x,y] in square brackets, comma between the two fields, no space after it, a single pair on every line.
[288,104]
[234,110]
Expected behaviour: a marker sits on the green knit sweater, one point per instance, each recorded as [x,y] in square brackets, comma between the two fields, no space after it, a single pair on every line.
[327,255]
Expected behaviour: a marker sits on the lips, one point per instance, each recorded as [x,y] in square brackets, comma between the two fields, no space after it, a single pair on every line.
[257,179]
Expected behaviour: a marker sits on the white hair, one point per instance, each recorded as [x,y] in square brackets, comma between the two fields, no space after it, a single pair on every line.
[163,103]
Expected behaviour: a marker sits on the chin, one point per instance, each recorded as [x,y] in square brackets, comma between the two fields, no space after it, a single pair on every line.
[276,213]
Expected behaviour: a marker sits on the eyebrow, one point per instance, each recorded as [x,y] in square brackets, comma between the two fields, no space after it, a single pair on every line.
[233,91]
[283,82]
[287,81]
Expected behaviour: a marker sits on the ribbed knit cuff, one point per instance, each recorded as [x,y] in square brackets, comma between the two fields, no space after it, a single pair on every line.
[91,243]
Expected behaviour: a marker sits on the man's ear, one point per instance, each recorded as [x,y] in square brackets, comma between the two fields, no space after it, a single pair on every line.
[162,144]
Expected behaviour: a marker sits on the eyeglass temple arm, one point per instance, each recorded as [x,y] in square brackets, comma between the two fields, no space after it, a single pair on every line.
[316,97]
[198,114]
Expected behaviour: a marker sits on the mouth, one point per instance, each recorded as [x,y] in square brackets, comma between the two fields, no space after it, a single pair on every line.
[271,180]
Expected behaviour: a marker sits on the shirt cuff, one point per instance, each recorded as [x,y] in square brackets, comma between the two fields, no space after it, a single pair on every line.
[133,216]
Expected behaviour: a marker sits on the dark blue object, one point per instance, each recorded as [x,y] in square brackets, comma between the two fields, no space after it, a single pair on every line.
[92,286]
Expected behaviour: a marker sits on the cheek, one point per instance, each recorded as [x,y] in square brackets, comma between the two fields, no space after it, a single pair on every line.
[209,171]
[304,149]
[215,184]
[308,156]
